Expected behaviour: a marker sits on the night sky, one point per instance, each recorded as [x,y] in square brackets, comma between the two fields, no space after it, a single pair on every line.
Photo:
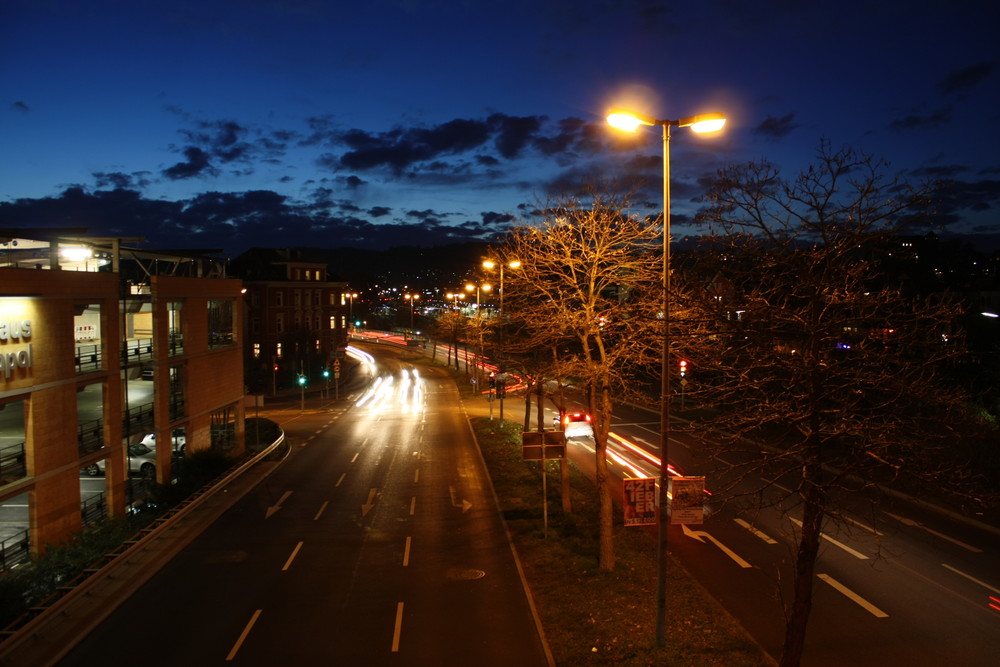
[223,124]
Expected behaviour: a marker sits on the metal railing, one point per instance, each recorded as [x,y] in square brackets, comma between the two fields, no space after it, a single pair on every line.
[14,550]
[88,359]
[12,462]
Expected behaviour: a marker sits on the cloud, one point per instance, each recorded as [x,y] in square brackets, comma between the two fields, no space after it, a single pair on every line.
[197,163]
[964,78]
[436,148]
[19,106]
[235,221]
[775,128]
[916,122]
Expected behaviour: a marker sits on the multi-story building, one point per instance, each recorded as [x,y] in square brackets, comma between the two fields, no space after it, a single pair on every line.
[106,349]
[296,318]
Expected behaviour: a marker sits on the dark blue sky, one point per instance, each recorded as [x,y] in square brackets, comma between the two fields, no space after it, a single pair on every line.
[228,124]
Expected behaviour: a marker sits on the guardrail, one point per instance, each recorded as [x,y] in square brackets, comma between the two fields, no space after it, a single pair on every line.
[30,623]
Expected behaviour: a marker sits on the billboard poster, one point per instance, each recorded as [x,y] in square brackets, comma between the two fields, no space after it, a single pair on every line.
[640,501]
[687,500]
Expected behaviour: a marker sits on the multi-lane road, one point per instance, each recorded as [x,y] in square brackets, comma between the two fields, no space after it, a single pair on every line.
[896,583]
[377,542]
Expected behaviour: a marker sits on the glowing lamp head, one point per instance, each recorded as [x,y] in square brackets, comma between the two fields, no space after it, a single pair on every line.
[707,122]
[627,120]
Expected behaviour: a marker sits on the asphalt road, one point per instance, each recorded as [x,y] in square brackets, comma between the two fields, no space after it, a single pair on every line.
[896,582]
[377,542]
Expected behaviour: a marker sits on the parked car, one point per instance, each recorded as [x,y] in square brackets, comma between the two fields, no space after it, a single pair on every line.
[141,461]
[179,440]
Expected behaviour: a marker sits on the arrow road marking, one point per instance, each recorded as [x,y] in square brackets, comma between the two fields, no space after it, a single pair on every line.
[917,524]
[277,506]
[865,604]
[465,504]
[371,502]
[699,534]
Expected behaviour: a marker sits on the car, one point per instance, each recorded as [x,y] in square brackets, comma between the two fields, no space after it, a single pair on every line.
[179,440]
[577,425]
[141,460]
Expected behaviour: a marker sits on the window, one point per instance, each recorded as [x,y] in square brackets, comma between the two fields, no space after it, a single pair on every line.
[87,333]
[279,323]
[221,315]
[279,298]
[279,351]
[256,350]
[175,332]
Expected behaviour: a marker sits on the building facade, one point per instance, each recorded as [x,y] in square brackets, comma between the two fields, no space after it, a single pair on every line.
[105,349]
[296,319]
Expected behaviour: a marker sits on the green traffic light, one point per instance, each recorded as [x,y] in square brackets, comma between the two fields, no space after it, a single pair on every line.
[302,380]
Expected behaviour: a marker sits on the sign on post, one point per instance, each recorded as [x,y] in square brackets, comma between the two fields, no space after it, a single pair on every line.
[543,445]
[640,501]
[687,503]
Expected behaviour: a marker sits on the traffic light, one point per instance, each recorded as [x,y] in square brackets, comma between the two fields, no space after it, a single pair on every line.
[501,389]
[493,380]
[683,366]
[276,368]
[302,380]
[326,372]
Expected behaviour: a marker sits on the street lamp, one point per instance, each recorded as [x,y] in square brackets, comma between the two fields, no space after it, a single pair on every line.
[489,265]
[352,296]
[412,298]
[630,121]
[485,287]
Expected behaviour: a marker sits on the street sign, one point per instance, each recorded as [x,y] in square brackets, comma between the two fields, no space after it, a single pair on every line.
[543,445]
[687,502]
[640,501]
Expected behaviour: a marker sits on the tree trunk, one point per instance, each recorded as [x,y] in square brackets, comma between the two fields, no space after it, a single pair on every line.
[805,566]
[603,479]
[567,503]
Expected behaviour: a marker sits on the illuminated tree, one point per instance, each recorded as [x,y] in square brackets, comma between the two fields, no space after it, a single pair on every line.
[584,300]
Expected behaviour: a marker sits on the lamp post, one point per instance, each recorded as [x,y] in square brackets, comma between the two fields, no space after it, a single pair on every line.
[501,390]
[412,298]
[352,296]
[630,121]
[485,287]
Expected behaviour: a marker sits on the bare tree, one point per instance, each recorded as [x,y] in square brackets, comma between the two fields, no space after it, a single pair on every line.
[798,339]
[583,289]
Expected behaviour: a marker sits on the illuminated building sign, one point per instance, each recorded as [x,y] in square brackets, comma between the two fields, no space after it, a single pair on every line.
[15,331]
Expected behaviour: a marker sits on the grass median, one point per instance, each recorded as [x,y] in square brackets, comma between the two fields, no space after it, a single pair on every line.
[591,616]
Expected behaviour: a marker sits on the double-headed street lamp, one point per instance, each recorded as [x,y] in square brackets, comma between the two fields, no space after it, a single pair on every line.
[489,265]
[630,121]
[351,296]
[412,298]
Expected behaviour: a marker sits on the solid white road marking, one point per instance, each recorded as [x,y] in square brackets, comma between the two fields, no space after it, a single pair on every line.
[856,554]
[970,578]
[755,531]
[398,628]
[857,599]
[917,524]
[243,635]
[291,557]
